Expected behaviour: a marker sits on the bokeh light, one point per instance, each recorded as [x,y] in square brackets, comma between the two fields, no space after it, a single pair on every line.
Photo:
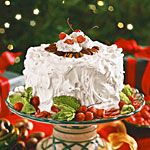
[6,25]
[32,23]
[36,11]
[120,25]
[129,26]
[18,16]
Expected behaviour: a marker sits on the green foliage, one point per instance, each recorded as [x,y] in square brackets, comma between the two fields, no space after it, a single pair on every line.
[127,90]
[67,101]
[124,98]
[83,14]
[68,105]
[23,98]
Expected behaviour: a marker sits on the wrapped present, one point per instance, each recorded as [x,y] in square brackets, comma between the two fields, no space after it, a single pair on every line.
[7,80]
[136,64]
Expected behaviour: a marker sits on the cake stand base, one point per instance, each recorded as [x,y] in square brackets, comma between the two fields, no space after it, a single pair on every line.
[74,138]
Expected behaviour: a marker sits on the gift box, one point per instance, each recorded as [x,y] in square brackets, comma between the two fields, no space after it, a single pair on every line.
[136,65]
[8,81]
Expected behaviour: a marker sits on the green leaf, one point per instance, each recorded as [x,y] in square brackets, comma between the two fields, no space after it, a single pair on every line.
[124,98]
[67,100]
[28,108]
[66,107]
[64,116]
[15,98]
[28,93]
[127,90]
[127,109]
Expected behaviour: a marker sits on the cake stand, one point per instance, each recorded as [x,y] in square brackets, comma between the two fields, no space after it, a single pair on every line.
[73,135]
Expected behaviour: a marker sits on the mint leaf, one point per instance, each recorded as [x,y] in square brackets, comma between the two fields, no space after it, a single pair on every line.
[66,108]
[28,93]
[124,98]
[64,116]
[28,108]
[15,98]
[67,100]
[127,109]
[127,90]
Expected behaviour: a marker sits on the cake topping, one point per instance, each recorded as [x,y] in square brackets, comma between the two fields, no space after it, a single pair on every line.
[74,45]
[62,35]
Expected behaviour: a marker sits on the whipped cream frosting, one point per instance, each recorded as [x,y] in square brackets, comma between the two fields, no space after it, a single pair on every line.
[93,79]
[76,47]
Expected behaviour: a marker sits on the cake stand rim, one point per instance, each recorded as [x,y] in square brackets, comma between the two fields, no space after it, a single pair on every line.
[75,123]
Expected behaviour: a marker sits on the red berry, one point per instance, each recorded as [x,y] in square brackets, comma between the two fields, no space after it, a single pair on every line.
[82,109]
[93,110]
[77,30]
[80,116]
[131,98]
[69,41]
[35,101]
[80,39]
[62,35]
[55,109]
[136,104]
[89,115]
[18,106]
[99,113]
[121,104]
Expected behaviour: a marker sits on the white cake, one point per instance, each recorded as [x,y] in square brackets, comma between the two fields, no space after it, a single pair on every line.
[93,79]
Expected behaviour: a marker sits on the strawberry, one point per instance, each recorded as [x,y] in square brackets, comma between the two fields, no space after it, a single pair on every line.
[80,39]
[69,41]
[62,35]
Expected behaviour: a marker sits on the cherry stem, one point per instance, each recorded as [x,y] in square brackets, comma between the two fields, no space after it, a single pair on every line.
[70,25]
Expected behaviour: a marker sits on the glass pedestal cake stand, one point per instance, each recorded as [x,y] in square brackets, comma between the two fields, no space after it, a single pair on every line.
[73,135]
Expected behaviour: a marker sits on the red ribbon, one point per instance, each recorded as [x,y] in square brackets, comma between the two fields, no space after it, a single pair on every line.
[131,47]
[6,59]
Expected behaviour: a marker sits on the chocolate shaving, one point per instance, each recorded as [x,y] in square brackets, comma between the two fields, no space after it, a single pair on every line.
[96,47]
[59,53]
[85,51]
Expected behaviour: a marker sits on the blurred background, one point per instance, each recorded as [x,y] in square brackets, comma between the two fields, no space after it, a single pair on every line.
[31,22]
